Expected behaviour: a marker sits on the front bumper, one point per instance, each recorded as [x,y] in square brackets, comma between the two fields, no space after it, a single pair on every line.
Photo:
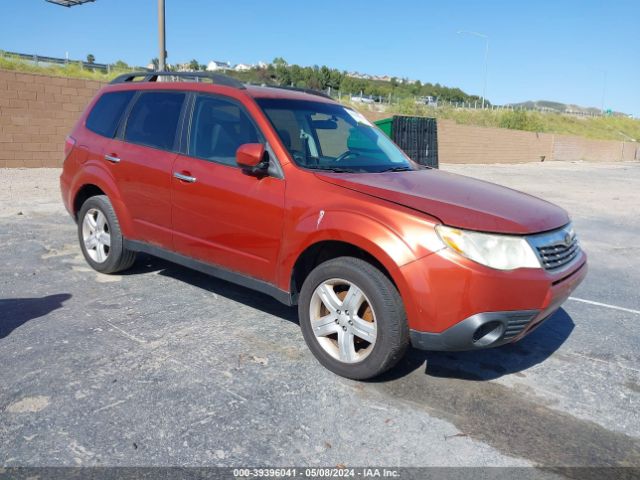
[458,305]
[483,330]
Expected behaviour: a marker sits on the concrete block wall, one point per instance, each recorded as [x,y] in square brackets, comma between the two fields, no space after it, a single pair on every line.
[472,144]
[577,148]
[36,113]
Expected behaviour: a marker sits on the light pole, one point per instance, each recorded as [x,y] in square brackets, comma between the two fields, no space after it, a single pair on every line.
[486,60]
[604,91]
[161,40]
[604,86]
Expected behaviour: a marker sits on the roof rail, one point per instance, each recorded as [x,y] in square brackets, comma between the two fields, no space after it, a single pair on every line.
[310,91]
[148,76]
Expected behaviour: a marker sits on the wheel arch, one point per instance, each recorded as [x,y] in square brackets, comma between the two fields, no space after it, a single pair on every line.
[94,182]
[85,192]
[324,250]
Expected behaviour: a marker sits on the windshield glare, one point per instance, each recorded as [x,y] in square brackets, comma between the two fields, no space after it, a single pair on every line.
[327,136]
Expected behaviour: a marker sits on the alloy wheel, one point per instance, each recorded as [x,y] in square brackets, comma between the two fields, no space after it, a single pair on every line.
[96,235]
[343,320]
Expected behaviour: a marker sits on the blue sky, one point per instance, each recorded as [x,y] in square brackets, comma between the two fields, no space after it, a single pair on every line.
[546,49]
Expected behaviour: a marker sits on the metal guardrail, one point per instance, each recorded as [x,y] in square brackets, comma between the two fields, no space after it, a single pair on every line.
[104,67]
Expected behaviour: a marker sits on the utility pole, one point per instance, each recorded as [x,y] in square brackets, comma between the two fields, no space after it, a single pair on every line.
[486,60]
[162,57]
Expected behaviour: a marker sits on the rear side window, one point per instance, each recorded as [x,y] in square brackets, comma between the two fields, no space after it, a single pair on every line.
[106,113]
[153,120]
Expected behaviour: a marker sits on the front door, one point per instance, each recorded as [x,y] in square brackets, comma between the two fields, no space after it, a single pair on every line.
[220,214]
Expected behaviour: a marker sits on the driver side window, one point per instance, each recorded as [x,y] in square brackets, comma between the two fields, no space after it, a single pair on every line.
[218,128]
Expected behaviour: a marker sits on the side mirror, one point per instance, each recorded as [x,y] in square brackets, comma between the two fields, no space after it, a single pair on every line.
[252,159]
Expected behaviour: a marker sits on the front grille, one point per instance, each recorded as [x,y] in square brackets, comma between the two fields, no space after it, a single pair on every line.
[516,323]
[556,249]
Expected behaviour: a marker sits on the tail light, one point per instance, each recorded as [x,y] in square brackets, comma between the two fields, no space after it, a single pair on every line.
[69,143]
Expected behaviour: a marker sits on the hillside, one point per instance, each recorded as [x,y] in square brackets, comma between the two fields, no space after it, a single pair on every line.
[279,72]
[605,128]
[558,107]
[617,128]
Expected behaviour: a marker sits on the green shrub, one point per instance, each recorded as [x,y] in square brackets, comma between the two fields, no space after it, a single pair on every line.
[520,120]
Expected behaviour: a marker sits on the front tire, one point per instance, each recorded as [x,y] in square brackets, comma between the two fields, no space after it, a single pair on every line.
[100,237]
[352,318]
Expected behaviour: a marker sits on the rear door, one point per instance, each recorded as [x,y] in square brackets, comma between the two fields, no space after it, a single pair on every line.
[142,157]
[220,214]
[102,124]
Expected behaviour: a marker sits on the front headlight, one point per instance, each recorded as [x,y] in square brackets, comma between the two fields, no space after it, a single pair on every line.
[502,252]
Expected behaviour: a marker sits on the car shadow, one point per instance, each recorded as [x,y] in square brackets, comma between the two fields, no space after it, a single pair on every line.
[148,263]
[479,365]
[491,363]
[18,311]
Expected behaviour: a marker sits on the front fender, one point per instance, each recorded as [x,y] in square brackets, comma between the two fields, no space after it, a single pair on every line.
[393,246]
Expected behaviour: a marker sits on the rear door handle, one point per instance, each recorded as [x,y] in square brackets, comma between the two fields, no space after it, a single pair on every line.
[112,159]
[184,178]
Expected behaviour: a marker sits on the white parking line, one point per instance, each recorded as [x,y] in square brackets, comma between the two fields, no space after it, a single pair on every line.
[605,305]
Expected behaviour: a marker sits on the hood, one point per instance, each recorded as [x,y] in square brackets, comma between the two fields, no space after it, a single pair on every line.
[457,201]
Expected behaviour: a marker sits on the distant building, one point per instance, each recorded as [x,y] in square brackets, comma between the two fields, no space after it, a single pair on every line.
[242,67]
[215,65]
[184,67]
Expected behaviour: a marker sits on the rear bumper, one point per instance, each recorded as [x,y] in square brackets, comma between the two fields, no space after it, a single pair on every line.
[64,192]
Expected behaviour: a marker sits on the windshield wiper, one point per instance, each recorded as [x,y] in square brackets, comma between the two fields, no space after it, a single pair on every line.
[397,169]
[331,169]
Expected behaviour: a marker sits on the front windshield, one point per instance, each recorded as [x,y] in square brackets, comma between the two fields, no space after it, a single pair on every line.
[327,136]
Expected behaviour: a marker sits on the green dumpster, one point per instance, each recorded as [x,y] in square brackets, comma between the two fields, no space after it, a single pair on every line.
[416,136]
[386,125]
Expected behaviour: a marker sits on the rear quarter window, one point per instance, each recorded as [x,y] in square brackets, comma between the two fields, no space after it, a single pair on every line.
[153,120]
[107,112]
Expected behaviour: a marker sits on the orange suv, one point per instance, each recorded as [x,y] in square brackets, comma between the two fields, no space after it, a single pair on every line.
[297,196]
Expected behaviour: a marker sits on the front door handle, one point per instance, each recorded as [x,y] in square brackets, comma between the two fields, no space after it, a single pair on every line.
[112,158]
[184,178]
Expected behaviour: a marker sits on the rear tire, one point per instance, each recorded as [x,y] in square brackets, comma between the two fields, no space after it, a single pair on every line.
[100,237]
[352,318]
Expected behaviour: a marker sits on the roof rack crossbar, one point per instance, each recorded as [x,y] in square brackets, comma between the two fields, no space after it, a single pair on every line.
[150,76]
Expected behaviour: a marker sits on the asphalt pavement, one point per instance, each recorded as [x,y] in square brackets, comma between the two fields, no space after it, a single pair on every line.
[165,366]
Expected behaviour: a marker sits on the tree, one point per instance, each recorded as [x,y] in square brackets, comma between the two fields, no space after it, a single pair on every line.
[194,65]
[121,65]
[325,77]
[353,85]
[283,77]
[297,75]
[279,62]
[335,79]
[90,58]
[263,75]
